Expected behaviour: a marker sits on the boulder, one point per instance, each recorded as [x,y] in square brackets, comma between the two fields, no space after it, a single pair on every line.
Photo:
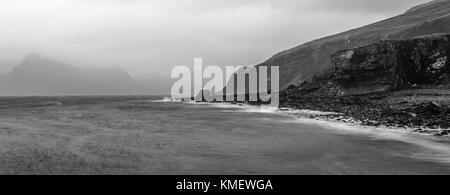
[430,108]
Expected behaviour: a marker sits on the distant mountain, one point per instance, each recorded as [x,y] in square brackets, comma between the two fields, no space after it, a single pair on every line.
[301,63]
[40,76]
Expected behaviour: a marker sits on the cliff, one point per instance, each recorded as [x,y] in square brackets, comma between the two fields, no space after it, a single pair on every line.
[400,83]
[301,63]
[391,65]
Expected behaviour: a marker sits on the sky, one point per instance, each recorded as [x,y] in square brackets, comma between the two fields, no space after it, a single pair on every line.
[149,37]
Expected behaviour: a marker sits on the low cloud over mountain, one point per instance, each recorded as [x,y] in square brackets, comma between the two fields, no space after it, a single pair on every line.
[41,76]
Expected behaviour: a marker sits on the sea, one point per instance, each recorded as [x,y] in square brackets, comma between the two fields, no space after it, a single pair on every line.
[152,135]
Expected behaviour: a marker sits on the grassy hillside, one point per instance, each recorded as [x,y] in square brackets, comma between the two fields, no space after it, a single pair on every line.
[303,62]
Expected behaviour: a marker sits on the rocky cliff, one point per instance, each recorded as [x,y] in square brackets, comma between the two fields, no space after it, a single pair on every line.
[400,83]
[303,62]
[391,65]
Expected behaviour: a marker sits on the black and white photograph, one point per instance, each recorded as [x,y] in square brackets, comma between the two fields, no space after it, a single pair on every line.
[224,88]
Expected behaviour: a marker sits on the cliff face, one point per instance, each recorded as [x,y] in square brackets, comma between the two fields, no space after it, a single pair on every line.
[390,65]
[397,83]
[303,62]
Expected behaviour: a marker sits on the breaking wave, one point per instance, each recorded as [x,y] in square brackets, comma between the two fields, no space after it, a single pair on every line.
[166,100]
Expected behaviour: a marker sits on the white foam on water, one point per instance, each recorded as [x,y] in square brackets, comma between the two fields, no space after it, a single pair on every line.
[291,111]
[165,100]
[53,104]
[244,108]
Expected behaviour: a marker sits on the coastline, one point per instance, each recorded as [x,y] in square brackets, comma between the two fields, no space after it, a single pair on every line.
[322,118]
[416,110]
[331,119]
[337,119]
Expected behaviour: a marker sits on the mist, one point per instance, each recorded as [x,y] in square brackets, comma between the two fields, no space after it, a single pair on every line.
[147,38]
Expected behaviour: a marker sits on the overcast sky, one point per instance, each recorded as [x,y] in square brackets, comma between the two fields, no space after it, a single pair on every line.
[152,36]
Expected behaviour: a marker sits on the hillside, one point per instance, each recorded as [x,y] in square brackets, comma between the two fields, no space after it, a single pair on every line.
[301,63]
[399,83]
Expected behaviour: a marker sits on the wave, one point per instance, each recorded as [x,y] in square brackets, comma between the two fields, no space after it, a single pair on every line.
[166,100]
[244,107]
[52,104]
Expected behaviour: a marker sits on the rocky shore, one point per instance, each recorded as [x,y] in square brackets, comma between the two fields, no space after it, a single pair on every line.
[380,110]
[398,83]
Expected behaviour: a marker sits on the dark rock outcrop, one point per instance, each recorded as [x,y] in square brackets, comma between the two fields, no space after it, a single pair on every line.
[392,65]
[431,108]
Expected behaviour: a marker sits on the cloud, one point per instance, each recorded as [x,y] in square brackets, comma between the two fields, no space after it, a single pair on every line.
[147,36]
[366,6]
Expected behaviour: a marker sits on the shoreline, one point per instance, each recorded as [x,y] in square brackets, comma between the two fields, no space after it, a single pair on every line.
[321,117]
[421,113]
[340,119]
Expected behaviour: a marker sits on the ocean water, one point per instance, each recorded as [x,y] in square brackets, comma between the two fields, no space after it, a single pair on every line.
[142,135]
